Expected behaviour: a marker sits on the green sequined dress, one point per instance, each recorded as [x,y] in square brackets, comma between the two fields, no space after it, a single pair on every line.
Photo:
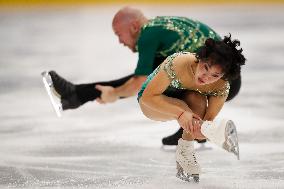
[176,85]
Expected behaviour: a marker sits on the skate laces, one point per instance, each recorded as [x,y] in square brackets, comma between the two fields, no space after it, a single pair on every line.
[187,154]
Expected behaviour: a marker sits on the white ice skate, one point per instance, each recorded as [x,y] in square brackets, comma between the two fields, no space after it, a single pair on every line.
[188,168]
[223,134]
[53,95]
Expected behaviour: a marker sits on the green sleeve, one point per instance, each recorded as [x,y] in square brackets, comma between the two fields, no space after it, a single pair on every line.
[148,44]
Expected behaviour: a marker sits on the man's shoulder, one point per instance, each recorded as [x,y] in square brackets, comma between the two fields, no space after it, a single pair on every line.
[163,21]
[161,26]
[173,18]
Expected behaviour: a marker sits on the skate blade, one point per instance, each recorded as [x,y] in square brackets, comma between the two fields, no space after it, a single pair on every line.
[48,87]
[188,178]
[185,176]
[232,139]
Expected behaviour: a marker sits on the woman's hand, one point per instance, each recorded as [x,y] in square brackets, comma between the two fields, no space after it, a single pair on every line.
[189,121]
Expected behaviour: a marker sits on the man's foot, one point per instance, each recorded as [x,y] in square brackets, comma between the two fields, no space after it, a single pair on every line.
[201,140]
[172,140]
[66,90]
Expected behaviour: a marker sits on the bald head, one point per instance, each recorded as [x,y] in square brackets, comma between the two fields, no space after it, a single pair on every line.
[127,24]
[127,15]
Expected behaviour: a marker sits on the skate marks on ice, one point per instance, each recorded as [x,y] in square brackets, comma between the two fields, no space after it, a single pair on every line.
[74,159]
[33,177]
[255,169]
[93,166]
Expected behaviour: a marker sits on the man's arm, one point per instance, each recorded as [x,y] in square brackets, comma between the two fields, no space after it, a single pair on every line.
[129,88]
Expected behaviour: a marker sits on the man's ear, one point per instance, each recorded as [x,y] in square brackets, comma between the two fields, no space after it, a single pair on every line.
[135,27]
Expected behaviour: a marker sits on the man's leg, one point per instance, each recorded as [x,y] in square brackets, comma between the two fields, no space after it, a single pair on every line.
[235,86]
[88,92]
[73,96]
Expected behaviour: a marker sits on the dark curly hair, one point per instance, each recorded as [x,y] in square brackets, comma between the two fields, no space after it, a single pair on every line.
[224,53]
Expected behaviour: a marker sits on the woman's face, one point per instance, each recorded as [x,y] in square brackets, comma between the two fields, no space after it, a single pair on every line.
[207,73]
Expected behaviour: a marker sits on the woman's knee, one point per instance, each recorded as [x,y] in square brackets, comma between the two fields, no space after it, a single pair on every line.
[151,114]
[195,99]
[196,102]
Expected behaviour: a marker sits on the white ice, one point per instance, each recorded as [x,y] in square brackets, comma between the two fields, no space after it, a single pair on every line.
[115,146]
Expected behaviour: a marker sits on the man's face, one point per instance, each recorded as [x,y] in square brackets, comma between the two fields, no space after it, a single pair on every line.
[125,35]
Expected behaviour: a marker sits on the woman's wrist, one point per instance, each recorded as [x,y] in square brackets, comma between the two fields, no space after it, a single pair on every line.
[180,114]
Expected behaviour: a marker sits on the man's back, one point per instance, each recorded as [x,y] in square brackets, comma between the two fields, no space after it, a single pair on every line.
[165,35]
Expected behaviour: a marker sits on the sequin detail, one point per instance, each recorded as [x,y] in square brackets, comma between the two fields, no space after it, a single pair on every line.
[192,33]
[223,92]
[168,68]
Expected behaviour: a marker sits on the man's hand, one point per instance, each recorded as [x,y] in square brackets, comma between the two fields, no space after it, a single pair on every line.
[108,94]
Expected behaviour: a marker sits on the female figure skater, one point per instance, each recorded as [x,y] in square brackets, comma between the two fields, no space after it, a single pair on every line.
[192,88]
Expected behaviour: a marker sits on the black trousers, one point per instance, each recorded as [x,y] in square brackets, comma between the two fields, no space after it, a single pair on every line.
[88,92]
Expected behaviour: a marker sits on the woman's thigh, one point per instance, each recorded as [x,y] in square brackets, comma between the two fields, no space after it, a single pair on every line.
[153,114]
[196,102]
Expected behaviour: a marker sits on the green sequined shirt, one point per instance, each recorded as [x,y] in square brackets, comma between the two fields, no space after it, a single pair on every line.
[163,36]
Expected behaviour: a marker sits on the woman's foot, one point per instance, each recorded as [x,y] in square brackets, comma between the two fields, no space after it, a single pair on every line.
[188,168]
[223,134]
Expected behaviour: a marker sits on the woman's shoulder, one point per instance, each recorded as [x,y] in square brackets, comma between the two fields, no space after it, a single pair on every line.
[177,64]
[185,62]
[179,67]
[181,59]
[221,83]
[184,55]
[221,88]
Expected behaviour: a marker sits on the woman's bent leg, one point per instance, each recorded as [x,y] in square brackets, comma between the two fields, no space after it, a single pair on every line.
[198,104]
[159,116]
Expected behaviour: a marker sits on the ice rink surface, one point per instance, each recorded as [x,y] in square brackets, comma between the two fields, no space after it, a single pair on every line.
[115,146]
